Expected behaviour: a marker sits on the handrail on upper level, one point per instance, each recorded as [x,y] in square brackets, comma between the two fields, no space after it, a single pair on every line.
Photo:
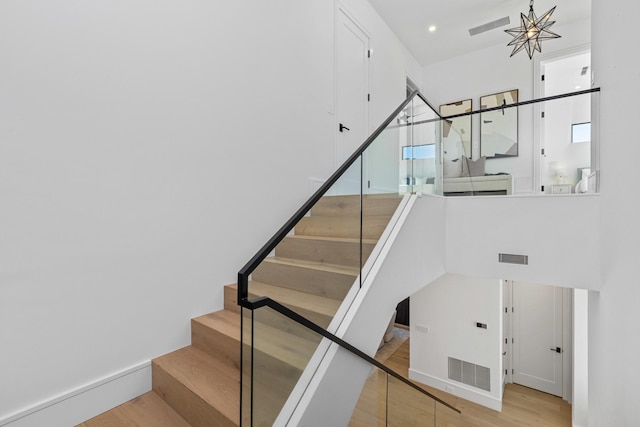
[243,274]
[514,105]
[257,303]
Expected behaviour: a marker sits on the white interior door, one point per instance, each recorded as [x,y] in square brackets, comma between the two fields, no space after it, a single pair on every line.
[352,89]
[537,328]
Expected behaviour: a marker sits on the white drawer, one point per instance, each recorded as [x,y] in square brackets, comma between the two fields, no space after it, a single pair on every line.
[561,189]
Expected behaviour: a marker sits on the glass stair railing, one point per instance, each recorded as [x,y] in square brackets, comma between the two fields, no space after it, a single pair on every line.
[317,262]
[541,146]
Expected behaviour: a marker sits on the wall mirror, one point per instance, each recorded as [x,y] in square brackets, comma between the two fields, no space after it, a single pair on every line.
[457,128]
[499,128]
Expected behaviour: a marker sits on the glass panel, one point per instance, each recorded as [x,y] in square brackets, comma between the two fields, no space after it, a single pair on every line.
[554,152]
[383,191]
[282,349]
[426,148]
[280,357]
[446,416]
[408,407]
[401,160]
[371,409]
[246,366]
[314,267]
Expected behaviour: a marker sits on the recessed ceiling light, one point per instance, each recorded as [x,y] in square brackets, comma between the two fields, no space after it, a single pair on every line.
[577,87]
[432,28]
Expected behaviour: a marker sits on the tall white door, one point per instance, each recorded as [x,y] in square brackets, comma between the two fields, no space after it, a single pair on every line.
[537,329]
[352,89]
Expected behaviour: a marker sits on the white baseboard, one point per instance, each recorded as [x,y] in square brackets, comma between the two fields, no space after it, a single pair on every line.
[85,402]
[459,389]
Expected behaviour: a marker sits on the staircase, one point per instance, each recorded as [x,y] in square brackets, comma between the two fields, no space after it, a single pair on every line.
[311,272]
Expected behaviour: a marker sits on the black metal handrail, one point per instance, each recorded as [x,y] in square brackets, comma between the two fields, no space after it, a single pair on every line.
[260,302]
[516,104]
[254,262]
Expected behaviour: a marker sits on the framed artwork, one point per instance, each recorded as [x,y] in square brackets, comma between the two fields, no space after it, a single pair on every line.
[499,128]
[457,128]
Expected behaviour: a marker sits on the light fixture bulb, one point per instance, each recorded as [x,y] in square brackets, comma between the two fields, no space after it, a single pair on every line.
[432,28]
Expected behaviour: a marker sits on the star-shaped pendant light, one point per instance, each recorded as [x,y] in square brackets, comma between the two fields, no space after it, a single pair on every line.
[531,32]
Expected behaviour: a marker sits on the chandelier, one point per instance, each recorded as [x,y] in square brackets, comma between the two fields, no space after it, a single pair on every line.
[531,32]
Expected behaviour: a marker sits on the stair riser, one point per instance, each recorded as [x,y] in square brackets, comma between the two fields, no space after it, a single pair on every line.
[372,228]
[231,299]
[272,318]
[325,251]
[216,344]
[350,205]
[186,403]
[328,284]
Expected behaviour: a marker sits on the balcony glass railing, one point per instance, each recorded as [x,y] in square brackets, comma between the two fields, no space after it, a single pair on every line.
[507,146]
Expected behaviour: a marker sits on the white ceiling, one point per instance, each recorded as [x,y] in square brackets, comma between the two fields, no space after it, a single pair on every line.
[410,20]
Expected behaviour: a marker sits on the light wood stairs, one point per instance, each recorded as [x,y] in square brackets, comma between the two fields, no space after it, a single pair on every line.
[310,272]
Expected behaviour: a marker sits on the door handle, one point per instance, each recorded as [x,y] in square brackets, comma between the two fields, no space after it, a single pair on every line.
[557,349]
[343,127]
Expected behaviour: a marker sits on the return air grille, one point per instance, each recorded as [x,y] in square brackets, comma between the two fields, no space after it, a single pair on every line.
[513,259]
[470,374]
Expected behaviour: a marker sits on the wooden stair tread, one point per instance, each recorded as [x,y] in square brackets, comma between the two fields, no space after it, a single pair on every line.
[224,321]
[215,383]
[148,410]
[332,239]
[330,226]
[340,251]
[312,265]
[286,296]
[349,205]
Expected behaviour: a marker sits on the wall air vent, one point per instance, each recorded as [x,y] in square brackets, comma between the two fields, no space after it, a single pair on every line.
[470,374]
[489,26]
[513,259]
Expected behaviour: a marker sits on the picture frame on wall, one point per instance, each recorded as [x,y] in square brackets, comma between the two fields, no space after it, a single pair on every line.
[499,127]
[457,128]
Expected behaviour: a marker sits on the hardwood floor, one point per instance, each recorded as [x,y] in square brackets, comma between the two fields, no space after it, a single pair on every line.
[521,406]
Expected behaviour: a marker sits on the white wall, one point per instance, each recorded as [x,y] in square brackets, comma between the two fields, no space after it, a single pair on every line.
[559,234]
[140,142]
[443,324]
[489,71]
[614,346]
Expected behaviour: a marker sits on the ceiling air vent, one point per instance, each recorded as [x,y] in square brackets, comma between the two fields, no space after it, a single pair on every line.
[489,26]
[584,71]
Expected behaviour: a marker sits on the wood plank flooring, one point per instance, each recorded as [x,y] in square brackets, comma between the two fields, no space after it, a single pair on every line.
[521,406]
